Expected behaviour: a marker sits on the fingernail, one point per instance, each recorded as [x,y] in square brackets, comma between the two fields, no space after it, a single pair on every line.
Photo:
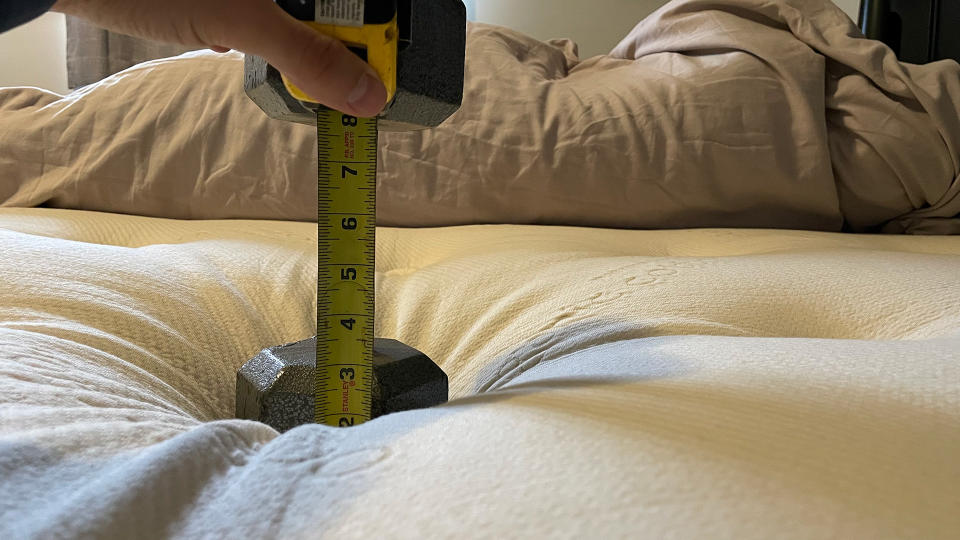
[368,96]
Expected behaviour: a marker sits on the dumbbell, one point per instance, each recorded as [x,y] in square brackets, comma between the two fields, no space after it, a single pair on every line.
[276,387]
[430,68]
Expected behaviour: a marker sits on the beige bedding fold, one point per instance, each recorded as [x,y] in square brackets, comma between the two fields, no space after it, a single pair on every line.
[709,113]
[727,113]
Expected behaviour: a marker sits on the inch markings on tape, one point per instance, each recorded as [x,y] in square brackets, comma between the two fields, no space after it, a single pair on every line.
[340,12]
[346,242]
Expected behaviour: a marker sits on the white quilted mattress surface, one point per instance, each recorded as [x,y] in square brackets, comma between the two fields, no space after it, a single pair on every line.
[604,383]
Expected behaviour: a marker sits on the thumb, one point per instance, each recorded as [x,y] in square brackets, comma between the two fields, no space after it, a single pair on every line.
[318,64]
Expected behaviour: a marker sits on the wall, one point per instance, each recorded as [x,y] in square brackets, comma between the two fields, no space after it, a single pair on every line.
[596,25]
[851,7]
[33,54]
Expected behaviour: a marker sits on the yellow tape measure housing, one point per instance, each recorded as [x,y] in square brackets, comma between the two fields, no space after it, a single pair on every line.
[380,42]
[347,182]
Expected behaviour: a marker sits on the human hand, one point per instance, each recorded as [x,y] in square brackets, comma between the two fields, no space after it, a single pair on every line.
[319,65]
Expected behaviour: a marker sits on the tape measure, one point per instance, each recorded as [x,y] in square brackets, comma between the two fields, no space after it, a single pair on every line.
[346,237]
[347,211]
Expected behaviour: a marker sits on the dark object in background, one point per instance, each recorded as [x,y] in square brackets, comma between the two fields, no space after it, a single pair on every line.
[918,31]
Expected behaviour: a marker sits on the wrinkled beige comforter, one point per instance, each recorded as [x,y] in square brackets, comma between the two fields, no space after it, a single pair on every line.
[725,113]
[709,113]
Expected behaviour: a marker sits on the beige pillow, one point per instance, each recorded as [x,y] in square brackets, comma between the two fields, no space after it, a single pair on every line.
[171,138]
[720,122]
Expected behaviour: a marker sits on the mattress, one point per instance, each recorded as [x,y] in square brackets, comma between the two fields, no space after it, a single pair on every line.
[670,384]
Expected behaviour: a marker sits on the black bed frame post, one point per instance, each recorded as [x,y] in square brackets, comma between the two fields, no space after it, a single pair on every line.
[917,30]
[873,16]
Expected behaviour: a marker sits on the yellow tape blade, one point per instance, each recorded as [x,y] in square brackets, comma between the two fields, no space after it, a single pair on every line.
[346,228]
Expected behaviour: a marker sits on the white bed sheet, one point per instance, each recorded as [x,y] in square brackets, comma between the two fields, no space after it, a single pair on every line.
[714,383]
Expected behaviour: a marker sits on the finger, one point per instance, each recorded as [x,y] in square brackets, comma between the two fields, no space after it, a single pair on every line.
[319,65]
